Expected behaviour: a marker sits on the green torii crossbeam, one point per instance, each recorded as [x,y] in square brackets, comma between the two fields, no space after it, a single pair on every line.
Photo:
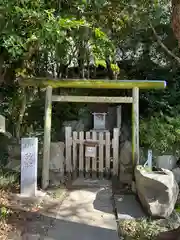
[49,84]
[94,83]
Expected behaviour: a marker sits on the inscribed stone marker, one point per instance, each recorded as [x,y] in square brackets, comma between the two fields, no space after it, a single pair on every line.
[29,158]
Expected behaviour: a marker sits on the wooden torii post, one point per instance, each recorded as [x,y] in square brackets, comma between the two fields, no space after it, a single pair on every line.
[135,85]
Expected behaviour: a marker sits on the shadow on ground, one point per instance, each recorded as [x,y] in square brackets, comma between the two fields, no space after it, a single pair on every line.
[38,226]
[103,201]
[59,220]
[128,207]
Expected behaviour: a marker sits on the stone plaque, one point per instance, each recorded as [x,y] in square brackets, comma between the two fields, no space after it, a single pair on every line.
[29,158]
[90,151]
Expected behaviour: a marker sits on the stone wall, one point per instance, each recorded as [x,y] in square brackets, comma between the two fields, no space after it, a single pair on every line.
[56,160]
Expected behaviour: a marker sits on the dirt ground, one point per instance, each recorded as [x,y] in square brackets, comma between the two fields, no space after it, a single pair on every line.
[18,215]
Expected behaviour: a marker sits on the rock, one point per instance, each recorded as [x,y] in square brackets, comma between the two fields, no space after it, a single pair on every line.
[14,151]
[166,162]
[172,222]
[75,125]
[2,124]
[3,127]
[14,165]
[170,235]
[125,178]
[56,156]
[56,164]
[125,162]
[56,178]
[133,187]
[176,172]
[126,153]
[157,191]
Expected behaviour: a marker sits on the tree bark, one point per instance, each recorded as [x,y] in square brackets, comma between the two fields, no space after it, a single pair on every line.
[21,114]
[176,19]
[109,69]
[169,52]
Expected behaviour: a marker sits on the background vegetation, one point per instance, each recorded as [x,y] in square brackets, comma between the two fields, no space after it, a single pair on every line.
[85,39]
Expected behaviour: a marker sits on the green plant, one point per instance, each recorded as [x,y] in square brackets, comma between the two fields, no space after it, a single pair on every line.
[4,212]
[161,133]
[140,229]
[8,177]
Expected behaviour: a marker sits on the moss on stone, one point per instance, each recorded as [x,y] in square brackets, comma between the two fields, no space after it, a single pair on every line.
[95,83]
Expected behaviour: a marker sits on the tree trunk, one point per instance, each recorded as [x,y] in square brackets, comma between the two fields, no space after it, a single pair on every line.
[176,19]
[81,60]
[21,114]
[109,69]
[2,70]
[83,51]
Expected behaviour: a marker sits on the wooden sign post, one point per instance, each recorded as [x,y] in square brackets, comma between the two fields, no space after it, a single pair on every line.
[29,158]
[90,148]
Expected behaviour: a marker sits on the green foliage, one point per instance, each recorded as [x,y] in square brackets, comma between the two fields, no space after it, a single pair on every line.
[50,38]
[177,208]
[161,133]
[8,177]
[100,63]
[115,68]
[102,46]
[4,212]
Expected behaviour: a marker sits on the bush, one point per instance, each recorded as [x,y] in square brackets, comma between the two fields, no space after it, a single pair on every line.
[161,134]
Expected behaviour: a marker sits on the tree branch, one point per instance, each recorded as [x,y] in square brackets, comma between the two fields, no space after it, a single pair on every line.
[169,52]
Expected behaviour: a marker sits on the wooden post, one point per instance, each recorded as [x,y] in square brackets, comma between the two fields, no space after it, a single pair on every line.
[87,159]
[47,138]
[135,126]
[81,154]
[119,110]
[115,151]
[75,158]
[101,155]
[68,144]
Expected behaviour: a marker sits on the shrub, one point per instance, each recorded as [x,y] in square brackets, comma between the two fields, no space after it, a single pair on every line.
[161,134]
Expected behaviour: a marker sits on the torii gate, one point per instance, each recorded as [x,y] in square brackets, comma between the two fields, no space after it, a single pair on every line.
[135,85]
